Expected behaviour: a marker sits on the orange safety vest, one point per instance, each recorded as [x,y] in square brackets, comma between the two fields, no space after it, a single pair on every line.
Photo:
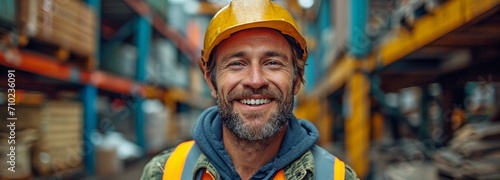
[181,162]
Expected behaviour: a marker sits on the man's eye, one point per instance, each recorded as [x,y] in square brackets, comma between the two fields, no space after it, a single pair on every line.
[273,63]
[235,64]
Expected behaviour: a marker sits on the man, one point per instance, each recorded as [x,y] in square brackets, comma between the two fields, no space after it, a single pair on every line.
[253,61]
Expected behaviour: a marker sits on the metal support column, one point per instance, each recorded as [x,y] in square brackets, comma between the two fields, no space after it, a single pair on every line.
[359,45]
[357,125]
[88,95]
[310,73]
[423,129]
[143,39]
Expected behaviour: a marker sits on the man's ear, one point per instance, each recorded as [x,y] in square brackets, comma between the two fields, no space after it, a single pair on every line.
[203,67]
[296,86]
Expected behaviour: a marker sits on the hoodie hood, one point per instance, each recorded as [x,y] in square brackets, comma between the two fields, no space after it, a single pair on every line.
[300,136]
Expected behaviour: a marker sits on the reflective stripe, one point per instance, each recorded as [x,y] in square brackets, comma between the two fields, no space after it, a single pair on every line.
[280,175]
[324,162]
[339,169]
[175,163]
[207,176]
[191,160]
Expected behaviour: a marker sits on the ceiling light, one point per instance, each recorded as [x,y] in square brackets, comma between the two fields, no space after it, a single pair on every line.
[306,4]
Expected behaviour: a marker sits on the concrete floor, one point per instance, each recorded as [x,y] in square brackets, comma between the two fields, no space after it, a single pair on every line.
[416,170]
[132,171]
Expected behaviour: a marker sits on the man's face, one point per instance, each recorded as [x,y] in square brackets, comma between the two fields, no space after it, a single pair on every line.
[255,88]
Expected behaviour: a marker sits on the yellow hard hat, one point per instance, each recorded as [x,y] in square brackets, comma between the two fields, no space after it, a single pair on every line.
[245,14]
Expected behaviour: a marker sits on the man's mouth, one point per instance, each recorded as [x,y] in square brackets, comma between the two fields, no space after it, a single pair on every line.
[255,102]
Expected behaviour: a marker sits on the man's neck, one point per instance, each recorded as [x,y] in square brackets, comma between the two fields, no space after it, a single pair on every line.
[249,156]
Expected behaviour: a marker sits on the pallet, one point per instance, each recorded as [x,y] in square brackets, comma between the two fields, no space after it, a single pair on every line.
[65,30]
[61,55]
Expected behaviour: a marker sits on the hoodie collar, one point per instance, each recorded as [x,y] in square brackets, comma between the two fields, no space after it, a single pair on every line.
[299,137]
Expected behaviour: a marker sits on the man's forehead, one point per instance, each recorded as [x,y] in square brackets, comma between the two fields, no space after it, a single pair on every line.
[256,36]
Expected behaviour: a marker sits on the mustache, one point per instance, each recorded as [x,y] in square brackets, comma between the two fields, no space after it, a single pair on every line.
[247,92]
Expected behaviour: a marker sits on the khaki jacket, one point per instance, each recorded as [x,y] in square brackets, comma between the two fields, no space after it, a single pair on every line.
[300,169]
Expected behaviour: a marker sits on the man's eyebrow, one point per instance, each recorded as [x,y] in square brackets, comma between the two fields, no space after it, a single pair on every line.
[233,55]
[240,54]
[275,54]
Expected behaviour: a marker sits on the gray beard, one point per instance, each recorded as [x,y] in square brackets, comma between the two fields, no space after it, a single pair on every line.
[235,124]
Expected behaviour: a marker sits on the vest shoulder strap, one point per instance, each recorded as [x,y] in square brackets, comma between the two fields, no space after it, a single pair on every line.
[182,161]
[327,166]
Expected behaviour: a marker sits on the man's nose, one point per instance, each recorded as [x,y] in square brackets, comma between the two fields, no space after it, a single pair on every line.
[255,78]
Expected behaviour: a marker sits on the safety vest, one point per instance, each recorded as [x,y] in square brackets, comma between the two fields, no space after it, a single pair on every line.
[181,163]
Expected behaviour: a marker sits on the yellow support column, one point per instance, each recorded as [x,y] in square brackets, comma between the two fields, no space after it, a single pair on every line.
[324,124]
[172,125]
[317,112]
[308,109]
[357,125]
[377,121]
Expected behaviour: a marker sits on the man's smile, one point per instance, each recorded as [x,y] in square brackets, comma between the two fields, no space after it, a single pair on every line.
[254,102]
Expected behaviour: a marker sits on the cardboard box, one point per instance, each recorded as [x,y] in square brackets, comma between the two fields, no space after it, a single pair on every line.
[20,156]
[59,148]
[68,24]
[22,161]
[108,162]
[27,117]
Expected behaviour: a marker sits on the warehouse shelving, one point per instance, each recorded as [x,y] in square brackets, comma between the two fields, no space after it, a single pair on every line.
[91,82]
[161,26]
[426,30]
[451,26]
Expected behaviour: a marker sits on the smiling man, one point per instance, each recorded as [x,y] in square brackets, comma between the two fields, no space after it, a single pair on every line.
[253,61]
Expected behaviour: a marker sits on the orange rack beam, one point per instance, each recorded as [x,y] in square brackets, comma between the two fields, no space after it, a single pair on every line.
[46,66]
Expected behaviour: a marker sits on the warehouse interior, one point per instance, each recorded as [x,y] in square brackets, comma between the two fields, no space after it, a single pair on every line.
[398,89]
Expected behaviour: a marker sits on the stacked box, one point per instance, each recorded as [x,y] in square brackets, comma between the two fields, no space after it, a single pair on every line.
[119,59]
[165,67]
[59,148]
[20,135]
[28,117]
[482,100]
[473,153]
[68,24]
[16,159]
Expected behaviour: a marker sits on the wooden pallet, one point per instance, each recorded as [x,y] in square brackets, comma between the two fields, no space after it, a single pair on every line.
[65,30]
[61,54]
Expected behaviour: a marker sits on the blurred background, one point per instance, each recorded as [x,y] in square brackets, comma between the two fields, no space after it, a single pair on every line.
[399,89]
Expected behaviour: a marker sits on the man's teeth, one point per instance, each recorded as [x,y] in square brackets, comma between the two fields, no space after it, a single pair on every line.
[255,101]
